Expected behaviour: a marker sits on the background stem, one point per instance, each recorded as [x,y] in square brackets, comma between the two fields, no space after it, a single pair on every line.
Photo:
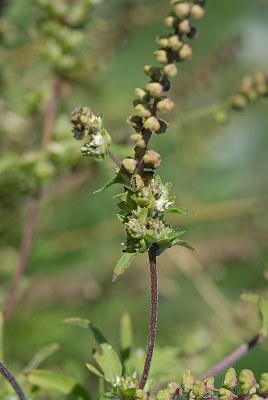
[12,381]
[153,317]
[233,357]
[28,235]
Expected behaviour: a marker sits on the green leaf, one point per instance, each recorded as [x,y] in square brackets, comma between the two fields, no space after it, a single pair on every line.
[41,356]
[126,337]
[95,370]
[51,380]
[123,264]
[76,321]
[175,234]
[183,243]
[181,211]
[109,362]
[263,307]
[120,177]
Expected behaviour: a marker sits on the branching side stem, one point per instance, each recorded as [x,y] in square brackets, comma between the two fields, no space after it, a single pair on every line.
[12,381]
[153,317]
[28,235]
[233,357]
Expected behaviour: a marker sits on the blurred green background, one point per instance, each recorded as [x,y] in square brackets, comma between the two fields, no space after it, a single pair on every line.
[219,171]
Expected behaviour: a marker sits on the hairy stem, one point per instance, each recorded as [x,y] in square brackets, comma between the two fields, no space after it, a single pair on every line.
[153,318]
[233,357]
[12,381]
[28,235]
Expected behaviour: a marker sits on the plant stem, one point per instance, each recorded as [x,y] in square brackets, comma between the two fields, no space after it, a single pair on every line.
[12,381]
[114,158]
[153,317]
[28,235]
[233,357]
[26,245]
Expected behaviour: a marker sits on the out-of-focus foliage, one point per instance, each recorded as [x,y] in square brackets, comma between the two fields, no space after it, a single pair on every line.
[218,170]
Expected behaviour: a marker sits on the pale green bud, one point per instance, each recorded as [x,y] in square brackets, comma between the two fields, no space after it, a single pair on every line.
[143,110]
[162,41]
[264,382]
[152,124]
[169,21]
[252,95]
[175,43]
[129,164]
[259,78]
[197,11]
[182,9]
[230,379]
[163,395]
[239,102]
[174,388]
[44,170]
[187,381]
[262,89]
[225,394]
[155,89]
[151,159]
[199,389]
[140,93]
[184,26]
[161,56]
[246,84]
[247,381]
[136,183]
[138,140]
[185,52]
[165,105]
[170,70]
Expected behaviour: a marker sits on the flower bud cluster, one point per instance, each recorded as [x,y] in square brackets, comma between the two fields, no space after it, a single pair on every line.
[252,88]
[63,39]
[89,127]
[142,210]
[152,99]
[194,389]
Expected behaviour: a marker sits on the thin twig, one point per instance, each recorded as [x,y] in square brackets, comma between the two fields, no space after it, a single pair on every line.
[28,235]
[233,357]
[12,381]
[114,158]
[153,318]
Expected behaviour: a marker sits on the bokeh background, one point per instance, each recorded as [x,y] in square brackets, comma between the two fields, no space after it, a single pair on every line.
[218,170]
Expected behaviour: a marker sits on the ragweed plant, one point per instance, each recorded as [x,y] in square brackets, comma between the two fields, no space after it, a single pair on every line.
[146,199]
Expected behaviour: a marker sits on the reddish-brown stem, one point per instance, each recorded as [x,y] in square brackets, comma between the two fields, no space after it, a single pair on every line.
[153,318]
[12,381]
[233,357]
[28,235]
[114,158]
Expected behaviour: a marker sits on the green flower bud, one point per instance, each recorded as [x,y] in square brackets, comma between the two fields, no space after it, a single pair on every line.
[155,89]
[225,394]
[162,41]
[138,140]
[129,164]
[221,117]
[170,70]
[152,124]
[174,388]
[239,102]
[163,395]
[256,397]
[246,84]
[199,389]
[187,381]
[151,159]
[185,52]
[252,95]
[197,11]
[163,126]
[175,43]
[170,21]
[262,89]
[136,183]
[230,379]
[182,9]
[264,382]
[141,395]
[210,384]
[247,381]
[165,105]
[259,78]
[161,56]
[184,26]
[135,229]
[143,110]
[154,73]
[141,94]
